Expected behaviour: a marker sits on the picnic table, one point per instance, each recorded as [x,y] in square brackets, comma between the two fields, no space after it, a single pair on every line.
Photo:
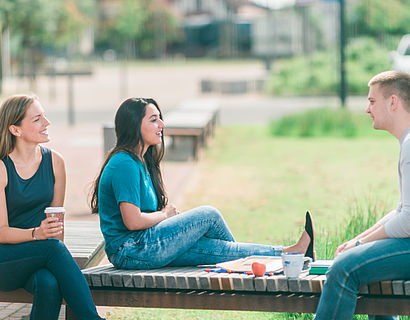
[85,242]
[193,288]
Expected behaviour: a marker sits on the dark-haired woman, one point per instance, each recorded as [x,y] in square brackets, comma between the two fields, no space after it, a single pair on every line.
[143,231]
[32,178]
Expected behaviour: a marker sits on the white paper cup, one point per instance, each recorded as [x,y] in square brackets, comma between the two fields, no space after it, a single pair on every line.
[57,212]
[292,264]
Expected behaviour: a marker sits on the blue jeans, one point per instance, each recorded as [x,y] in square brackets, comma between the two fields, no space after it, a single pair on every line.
[47,270]
[197,236]
[387,259]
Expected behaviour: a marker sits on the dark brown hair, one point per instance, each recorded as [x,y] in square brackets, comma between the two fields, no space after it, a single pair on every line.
[129,139]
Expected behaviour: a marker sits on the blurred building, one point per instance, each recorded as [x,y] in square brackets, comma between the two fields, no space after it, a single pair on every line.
[248,28]
[261,28]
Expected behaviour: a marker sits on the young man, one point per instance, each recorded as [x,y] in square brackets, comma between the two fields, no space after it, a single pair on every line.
[383,251]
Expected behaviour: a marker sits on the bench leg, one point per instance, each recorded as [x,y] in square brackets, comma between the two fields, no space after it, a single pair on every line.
[195,149]
[69,315]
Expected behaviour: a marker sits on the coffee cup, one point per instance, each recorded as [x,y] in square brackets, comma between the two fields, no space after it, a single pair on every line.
[293,263]
[56,212]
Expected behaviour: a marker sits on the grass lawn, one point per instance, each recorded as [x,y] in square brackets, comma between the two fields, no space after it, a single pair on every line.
[264,184]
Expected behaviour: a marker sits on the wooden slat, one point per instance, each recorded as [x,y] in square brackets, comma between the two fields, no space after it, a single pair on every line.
[204,281]
[317,283]
[272,284]
[226,282]
[261,283]
[386,287]
[215,282]
[193,279]
[374,288]
[283,283]
[90,271]
[138,279]
[166,278]
[398,287]
[407,288]
[305,283]
[364,289]
[96,277]
[294,285]
[237,280]
[248,283]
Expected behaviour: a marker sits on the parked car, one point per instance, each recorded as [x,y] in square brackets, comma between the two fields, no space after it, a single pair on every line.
[401,57]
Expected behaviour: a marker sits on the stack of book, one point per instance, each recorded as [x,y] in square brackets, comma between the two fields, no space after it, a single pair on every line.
[320,266]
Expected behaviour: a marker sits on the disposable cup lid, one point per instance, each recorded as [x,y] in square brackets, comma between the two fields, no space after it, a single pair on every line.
[54,210]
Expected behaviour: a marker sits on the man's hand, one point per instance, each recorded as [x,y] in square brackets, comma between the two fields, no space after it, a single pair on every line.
[345,246]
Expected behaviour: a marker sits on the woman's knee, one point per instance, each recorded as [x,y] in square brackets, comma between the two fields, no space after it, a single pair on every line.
[210,211]
[46,284]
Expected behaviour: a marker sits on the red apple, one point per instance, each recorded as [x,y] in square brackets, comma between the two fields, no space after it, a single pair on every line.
[258,269]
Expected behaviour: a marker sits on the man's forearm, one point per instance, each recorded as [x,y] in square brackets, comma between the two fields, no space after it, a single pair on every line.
[376,234]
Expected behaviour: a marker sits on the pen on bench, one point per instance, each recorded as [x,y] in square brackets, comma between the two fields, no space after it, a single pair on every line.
[243,272]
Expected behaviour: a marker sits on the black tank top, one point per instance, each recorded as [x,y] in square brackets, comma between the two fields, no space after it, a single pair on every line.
[27,199]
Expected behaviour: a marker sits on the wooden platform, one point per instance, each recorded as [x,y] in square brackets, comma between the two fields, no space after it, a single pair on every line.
[193,288]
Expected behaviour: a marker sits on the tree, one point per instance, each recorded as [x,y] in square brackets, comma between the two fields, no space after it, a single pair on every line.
[380,17]
[36,24]
[141,28]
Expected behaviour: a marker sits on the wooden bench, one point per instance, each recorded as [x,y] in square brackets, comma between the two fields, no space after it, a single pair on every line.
[193,288]
[192,119]
[86,244]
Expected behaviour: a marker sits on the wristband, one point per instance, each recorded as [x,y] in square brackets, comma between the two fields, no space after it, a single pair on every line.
[32,234]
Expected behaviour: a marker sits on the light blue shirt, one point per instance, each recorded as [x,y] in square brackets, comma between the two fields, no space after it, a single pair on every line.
[123,179]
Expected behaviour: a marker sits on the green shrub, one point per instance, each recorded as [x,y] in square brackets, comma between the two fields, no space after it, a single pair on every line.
[318,73]
[324,122]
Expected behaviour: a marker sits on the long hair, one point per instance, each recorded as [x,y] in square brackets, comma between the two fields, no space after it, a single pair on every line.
[12,112]
[129,139]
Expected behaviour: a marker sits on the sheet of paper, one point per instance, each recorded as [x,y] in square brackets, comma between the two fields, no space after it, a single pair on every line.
[273,264]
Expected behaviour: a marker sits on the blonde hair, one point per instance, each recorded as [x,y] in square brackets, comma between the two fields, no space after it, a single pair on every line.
[394,82]
[12,111]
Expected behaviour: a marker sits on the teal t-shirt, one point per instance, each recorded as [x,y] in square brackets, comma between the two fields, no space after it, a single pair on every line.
[123,179]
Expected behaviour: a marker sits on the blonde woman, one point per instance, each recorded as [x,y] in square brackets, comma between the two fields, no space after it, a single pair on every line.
[32,178]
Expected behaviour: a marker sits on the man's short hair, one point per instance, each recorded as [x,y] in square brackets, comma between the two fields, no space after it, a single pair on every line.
[394,82]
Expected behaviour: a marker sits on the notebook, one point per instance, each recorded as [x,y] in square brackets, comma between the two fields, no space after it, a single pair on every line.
[320,266]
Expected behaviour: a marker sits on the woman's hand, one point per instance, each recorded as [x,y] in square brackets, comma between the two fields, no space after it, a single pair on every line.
[49,228]
[170,210]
